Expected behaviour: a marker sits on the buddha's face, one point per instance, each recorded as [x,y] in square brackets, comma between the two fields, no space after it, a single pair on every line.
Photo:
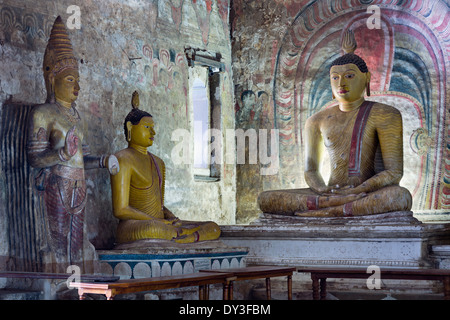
[143,133]
[348,83]
[66,86]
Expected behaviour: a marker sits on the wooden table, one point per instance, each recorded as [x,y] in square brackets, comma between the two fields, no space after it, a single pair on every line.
[258,272]
[49,275]
[200,279]
[319,277]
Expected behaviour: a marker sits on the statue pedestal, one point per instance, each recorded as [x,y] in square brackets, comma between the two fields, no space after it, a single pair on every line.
[155,258]
[391,240]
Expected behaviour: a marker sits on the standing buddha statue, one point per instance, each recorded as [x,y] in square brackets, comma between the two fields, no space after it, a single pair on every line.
[56,145]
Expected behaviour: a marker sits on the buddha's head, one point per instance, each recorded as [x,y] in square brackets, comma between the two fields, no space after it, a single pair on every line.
[349,75]
[139,126]
[60,66]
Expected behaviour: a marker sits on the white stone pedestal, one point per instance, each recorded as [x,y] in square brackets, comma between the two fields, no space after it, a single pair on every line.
[389,240]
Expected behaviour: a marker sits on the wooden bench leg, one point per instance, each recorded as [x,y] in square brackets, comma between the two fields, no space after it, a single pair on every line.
[268,289]
[323,288]
[109,295]
[447,288]
[201,292]
[81,294]
[315,287]
[289,287]
[228,290]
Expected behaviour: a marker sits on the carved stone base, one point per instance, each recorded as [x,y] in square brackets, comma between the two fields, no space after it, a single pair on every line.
[154,258]
[389,240]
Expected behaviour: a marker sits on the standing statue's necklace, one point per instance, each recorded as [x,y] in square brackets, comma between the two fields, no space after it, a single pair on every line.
[70,113]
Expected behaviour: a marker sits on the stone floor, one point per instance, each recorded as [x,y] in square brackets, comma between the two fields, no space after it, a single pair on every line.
[11,294]
[260,294]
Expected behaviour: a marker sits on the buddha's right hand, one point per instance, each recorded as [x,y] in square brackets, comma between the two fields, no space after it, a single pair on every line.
[337,200]
[323,190]
[71,144]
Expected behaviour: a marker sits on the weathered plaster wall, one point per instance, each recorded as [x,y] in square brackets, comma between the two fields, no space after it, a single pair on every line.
[122,46]
[284,48]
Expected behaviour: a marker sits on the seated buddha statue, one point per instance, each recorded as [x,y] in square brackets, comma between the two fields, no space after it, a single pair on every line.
[138,190]
[355,133]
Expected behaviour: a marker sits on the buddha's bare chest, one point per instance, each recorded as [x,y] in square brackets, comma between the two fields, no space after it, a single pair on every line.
[144,173]
[342,136]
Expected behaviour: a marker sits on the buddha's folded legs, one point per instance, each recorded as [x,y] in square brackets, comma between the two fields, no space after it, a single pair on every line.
[388,199]
[131,230]
[290,201]
[182,232]
[194,231]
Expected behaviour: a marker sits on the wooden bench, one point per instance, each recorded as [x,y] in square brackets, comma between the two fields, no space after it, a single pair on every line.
[49,275]
[319,277]
[259,272]
[200,279]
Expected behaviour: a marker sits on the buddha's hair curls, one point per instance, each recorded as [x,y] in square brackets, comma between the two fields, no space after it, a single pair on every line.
[351,58]
[349,45]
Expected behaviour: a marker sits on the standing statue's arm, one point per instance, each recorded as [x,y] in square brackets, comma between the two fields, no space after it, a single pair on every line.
[94,162]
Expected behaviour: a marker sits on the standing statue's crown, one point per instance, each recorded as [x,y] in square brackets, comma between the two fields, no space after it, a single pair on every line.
[58,54]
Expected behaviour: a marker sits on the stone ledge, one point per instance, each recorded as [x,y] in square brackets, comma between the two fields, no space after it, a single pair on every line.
[339,242]
[393,225]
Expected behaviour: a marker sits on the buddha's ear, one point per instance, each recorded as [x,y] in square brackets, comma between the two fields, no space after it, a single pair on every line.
[368,75]
[129,126]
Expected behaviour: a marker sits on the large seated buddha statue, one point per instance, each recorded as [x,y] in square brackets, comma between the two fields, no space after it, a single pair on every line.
[138,190]
[354,133]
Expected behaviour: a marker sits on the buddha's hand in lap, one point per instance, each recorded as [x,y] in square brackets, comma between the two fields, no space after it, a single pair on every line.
[347,190]
[175,222]
[336,200]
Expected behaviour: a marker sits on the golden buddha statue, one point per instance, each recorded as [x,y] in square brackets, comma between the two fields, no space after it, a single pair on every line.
[354,133]
[138,190]
[56,146]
